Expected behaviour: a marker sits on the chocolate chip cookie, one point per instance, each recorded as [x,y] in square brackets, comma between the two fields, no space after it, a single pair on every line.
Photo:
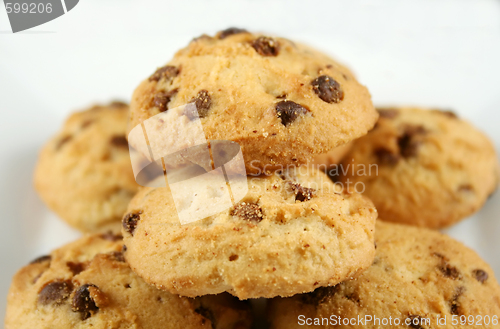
[84,172]
[281,101]
[423,167]
[291,233]
[88,284]
[418,275]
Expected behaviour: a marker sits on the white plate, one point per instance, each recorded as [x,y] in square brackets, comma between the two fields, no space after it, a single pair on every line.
[434,53]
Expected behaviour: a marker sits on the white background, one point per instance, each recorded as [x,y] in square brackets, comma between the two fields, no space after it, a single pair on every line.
[434,53]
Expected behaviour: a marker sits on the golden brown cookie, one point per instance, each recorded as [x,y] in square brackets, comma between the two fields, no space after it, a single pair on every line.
[84,172]
[333,157]
[87,284]
[281,101]
[423,167]
[418,275]
[290,234]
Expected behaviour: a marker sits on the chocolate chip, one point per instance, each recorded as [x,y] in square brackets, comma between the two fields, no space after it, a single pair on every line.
[55,292]
[266,46]
[207,314]
[408,142]
[119,141]
[415,321]
[117,104]
[129,222]
[302,193]
[480,275]
[166,72]
[110,236]
[76,268]
[117,255]
[41,259]
[289,111]
[327,89]
[454,304]
[248,211]
[162,99]
[388,113]
[320,295]
[124,248]
[203,101]
[63,141]
[83,302]
[230,31]
[449,271]
[386,157]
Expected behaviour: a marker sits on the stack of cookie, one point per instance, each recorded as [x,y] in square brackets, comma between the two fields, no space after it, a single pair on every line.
[291,232]
[310,243]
